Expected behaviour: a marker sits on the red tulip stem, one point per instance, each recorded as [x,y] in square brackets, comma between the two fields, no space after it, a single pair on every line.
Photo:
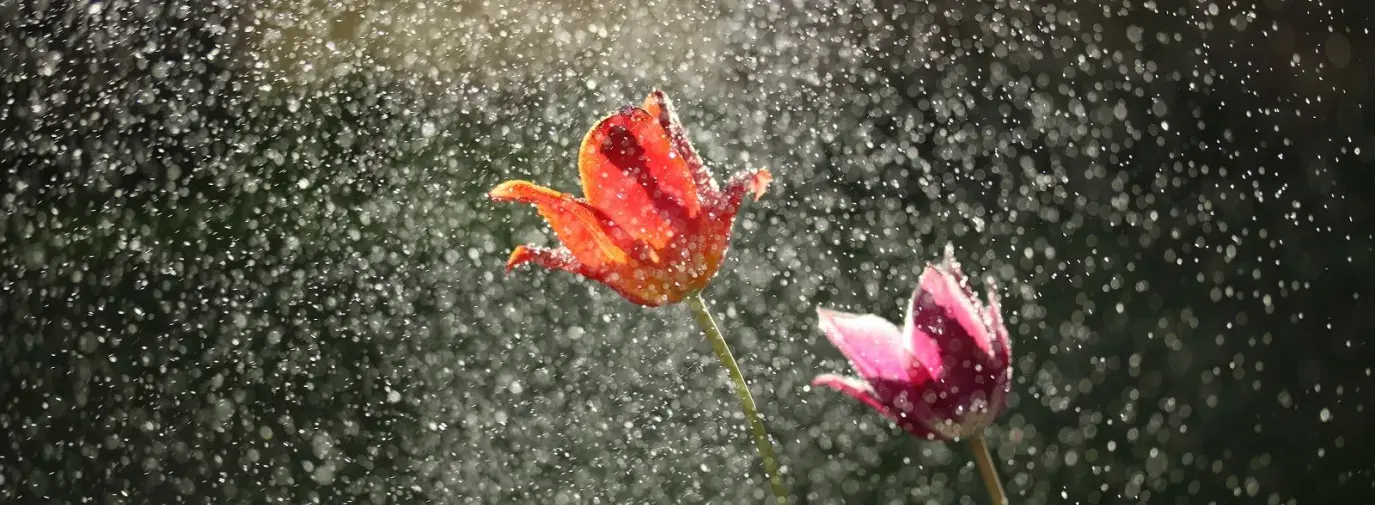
[761,438]
[984,460]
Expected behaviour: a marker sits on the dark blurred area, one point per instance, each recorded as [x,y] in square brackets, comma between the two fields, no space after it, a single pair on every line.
[235,278]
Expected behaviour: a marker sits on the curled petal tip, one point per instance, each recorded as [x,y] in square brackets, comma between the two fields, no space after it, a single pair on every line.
[759,182]
[508,191]
[948,261]
[991,288]
[930,273]
[657,103]
[520,255]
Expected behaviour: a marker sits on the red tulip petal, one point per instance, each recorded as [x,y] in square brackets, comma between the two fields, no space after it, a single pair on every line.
[562,259]
[553,259]
[660,107]
[587,235]
[862,391]
[639,285]
[873,345]
[631,173]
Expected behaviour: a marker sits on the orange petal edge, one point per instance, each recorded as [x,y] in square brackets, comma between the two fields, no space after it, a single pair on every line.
[510,190]
[759,182]
[520,255]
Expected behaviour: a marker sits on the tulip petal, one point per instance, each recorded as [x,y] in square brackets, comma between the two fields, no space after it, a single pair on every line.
[873,345]
[662,108]
[659,106]
[727,203]
[631,172]
[970,307]
[621,281]
[853,386]
[756,183]
[553,259]
[993,312]
[862,391]
[950,338]
[590,238]
[921,317]
[636,291]
[940,299]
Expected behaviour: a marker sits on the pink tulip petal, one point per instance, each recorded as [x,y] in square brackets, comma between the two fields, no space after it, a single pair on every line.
[873,345]
[941,298]
[993,311]
[853,386]
[860,390]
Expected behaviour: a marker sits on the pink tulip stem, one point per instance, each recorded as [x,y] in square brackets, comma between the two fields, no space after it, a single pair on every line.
[984,460]
[761,438]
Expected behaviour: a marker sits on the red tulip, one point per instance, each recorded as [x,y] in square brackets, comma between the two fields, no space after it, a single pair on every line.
[652,225]
[945,374]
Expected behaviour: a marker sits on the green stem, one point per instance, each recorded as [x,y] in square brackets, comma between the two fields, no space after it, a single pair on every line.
[761,438]
[984,460]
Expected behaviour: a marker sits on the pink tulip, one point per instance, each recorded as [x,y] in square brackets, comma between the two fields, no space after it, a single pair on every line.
[945,375]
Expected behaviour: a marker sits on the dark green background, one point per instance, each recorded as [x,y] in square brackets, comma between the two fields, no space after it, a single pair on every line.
[250,259]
